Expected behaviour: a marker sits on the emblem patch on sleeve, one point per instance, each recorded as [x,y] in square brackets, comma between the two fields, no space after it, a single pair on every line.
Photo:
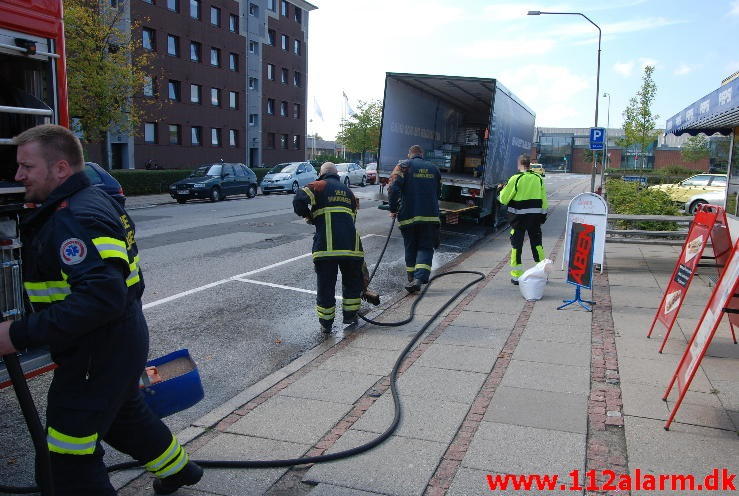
[73,251]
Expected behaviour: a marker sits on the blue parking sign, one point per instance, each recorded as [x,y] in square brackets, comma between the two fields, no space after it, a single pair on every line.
[597,137]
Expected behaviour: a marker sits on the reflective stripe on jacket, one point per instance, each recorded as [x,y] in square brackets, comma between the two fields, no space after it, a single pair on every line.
[414,192]
[525,193]
[332,208]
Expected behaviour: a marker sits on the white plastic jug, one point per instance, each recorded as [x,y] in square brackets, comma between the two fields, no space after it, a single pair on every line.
[533,281]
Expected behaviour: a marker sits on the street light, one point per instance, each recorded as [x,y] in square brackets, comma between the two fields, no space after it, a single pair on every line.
[608,126]
[597,77]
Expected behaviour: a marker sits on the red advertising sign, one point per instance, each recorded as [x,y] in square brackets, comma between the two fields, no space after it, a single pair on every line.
[723,293]
[709,223]
[580,265]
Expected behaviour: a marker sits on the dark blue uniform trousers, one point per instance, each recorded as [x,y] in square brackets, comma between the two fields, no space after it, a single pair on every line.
[419,240]
[352,283]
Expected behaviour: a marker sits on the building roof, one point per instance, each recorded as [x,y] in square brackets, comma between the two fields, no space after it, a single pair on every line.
[717,112]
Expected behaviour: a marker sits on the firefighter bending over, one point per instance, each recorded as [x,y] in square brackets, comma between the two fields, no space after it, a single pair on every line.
[332,208]
[82,275]
[526,198]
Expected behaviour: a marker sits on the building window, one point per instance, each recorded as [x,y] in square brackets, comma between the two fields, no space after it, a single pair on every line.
[271,37]
[215,136]
[196,93]
[233,62]
[283,141]
[148,39]
[233,23]
[195,9]
[150,132]
[284,76]
[285,42]
[253,47]
[297,79]
[271,141]
[148,86]
[215,16]
[296,47]
[253,83]
[283,7]
[174,134]
[173,45]
[296,142]
[233,137]
[147,1]
[270,106]
[173,5]
[283,109]
[253,9]
[196,136]
[298,14]
[196,51]
[271,72]
[174,90]
[215,97]
[233,100]
[296,111]
[253,119]
[272,5]
[215,57]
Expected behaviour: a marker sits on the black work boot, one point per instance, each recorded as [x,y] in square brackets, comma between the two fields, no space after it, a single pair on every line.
[409,275]
[326,326]
[351,318]
[414,286]
[188,476]
[370,297]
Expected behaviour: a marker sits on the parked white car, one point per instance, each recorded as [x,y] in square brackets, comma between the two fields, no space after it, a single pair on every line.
[712,197]
[351,173]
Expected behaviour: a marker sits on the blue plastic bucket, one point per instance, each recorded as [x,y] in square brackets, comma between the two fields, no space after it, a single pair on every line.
[173,394]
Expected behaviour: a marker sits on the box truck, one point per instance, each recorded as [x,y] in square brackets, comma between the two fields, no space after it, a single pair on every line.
[472,129]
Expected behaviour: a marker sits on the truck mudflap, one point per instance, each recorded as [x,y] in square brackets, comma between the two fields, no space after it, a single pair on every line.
[450,211]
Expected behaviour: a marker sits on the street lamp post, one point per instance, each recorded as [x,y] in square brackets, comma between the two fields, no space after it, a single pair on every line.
[605,152]
[597,76]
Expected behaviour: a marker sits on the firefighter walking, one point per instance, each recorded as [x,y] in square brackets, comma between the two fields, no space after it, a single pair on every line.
[332,208]
[82,275]
[526,198]
[414,201]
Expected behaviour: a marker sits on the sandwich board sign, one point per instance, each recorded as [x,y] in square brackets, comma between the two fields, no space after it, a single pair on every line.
[580,263]
[591,209]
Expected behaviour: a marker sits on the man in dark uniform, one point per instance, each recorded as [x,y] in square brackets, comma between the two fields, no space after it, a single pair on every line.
[82,275]
[332,208]
[414,201]
[526,198]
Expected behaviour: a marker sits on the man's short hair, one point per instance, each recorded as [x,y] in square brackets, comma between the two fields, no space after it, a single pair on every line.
[57,143]
[329,168]
[524,160]
[415,150]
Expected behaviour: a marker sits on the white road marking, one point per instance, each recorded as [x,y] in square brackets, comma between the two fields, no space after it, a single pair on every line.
[281,286]
[237,277]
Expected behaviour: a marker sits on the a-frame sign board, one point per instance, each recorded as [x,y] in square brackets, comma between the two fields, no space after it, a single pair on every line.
[709,223]
[724,299]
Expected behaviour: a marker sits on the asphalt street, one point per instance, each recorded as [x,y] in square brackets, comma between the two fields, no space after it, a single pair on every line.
[233,282]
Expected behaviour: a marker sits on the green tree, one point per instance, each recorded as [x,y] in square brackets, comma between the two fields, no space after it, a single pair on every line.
[361,132]
[695,148]
[588,156]
[639,121]
[104,69]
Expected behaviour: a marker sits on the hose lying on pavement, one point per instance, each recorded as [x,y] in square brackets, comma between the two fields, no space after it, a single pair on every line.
[393,390]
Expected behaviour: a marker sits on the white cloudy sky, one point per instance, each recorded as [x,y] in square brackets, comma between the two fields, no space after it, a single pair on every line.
[549,61]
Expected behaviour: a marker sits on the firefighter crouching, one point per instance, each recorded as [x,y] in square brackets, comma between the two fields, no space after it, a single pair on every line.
[332,208]
[414,200]
[81,272]
[526,198]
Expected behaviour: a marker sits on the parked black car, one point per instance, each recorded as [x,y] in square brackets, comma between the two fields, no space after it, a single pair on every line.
[215,182]
[102,179]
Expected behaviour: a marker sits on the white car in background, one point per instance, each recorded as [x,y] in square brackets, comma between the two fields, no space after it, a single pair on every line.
[712,197]
[351,173]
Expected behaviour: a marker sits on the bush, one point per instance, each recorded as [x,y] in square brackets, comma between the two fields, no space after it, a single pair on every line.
[147,182]
[625,197]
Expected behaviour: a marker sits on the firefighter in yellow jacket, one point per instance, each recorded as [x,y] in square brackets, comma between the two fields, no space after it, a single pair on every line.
[526,198]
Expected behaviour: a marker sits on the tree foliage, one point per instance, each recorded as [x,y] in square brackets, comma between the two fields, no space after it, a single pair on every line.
[695,148]
[361,132]
[104,71]
[639,121]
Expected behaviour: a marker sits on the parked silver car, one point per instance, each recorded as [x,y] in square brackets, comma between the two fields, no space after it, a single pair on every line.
[288,177]
[712,197]
[351,173]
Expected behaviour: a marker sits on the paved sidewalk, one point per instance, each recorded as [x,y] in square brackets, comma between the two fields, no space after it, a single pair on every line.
[497,385]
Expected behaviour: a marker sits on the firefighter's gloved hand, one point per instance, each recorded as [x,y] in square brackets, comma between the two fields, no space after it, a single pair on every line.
[308,220]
